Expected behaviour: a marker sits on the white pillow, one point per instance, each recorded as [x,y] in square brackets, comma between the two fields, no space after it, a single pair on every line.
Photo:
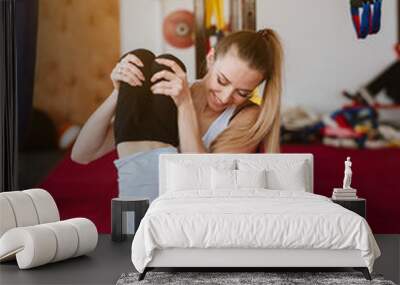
[184,177]
[291,179]
[251,178]
[188,174]
[223,179]
[237,179]
[280,174]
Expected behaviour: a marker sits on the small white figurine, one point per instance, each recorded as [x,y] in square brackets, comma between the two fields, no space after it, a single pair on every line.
[347,174]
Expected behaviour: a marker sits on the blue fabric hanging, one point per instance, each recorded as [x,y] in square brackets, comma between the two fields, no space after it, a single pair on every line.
[376,19]
[370,21]
[365,20]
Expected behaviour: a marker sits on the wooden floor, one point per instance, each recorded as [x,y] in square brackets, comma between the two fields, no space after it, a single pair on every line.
[106,264]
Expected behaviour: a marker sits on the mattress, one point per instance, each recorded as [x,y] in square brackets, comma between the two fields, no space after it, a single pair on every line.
[250,218]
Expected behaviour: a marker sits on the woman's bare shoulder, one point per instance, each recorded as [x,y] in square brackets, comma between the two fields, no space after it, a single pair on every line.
[194,86]
[244,119]
[243,113]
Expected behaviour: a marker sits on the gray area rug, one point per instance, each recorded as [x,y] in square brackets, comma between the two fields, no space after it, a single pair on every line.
[229,278]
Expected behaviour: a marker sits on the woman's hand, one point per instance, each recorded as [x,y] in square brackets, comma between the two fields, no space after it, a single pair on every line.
[175,83]
[127,71]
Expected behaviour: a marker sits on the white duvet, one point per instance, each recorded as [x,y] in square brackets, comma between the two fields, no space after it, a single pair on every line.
[251,218]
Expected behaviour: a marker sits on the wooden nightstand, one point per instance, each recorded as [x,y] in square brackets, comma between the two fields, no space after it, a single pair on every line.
[358,205]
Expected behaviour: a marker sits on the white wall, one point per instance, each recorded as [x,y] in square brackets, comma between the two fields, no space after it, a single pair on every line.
[140,25]
[323,55]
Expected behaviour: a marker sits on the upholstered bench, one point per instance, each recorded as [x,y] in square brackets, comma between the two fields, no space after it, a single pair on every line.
[31,231]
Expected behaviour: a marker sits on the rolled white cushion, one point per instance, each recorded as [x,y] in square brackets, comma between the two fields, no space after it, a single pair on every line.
[45,205]
[40,244]
[67,239]
[33,246]
[87,235]
[7,218]
[23,208]
[26,208]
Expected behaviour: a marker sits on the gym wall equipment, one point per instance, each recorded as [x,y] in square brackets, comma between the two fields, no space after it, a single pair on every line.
[178,29]
[369,22]
[242,15]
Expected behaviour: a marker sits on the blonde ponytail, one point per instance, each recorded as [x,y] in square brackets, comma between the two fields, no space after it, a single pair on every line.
[263,51]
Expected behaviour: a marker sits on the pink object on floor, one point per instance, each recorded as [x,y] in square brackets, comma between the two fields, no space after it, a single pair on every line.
[339,132]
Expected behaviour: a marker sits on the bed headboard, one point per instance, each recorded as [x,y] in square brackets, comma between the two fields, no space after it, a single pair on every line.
[208,158]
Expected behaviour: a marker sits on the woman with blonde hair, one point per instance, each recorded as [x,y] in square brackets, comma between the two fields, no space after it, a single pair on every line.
[214,114]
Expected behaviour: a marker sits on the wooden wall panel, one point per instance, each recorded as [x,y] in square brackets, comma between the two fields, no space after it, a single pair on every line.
[78,46]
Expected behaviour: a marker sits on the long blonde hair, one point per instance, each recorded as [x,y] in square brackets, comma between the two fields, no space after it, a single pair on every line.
[263,51]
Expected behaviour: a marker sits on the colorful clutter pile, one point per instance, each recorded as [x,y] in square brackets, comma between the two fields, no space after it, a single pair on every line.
[300,126]
[352,126]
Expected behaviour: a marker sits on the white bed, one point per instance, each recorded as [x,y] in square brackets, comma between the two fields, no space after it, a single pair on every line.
[193,225]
